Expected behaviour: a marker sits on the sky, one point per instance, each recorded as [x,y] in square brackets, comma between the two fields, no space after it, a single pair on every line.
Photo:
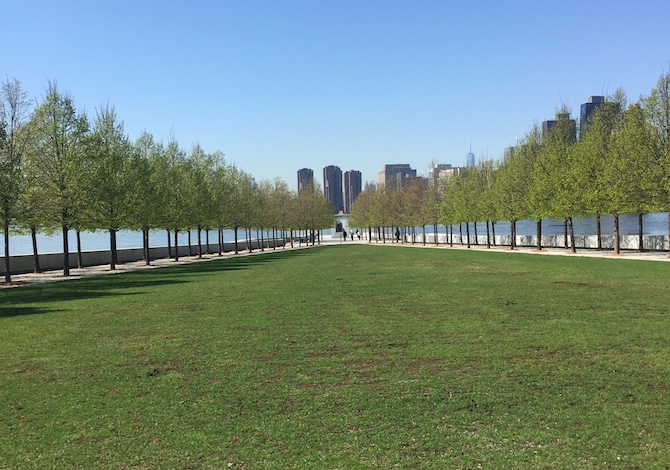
[282,85]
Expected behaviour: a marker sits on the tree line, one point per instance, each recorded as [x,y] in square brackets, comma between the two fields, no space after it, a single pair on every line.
[620,163]
[62,171]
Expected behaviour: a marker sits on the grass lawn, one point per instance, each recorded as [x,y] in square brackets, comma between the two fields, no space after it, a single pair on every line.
[342,357]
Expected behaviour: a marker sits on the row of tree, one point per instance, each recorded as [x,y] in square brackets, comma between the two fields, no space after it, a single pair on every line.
[60,172]
[620,164]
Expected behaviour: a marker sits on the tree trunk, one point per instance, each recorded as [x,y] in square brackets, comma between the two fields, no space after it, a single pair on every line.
[640,242]
[573,248]
[36,257]
[235,229]
[176,244]
[616,235]
[199,242]
[460,232]
[220,246]
[493,231]
[512,232]
[476,236]
[207,241]
[451,235]
[66,252]
[147,249]
[488,235]
[467,232]
[189,243]
[169,244]
[8,276]
[565,233]
[538,234]
[80,260]
[599,237]
[436,235]
[112,249]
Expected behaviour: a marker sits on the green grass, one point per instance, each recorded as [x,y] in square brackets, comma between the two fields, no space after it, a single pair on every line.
[342,357]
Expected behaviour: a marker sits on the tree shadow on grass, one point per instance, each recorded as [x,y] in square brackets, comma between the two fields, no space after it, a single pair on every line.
[26,300]
[235,263]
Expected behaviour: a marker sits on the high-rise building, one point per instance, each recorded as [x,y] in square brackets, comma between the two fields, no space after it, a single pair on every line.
[395,176]
[548,126]
[353,183]
[586,109]
[470,159]
[332,187]
[443,171]
[305,175]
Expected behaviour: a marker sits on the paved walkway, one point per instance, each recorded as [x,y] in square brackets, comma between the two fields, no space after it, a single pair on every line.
[76,273]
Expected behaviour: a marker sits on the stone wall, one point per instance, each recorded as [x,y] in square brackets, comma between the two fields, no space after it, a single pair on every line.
[627,242]
[54,261]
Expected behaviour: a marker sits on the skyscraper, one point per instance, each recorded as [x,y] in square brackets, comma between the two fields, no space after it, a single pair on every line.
[352,188]
[394,176]
[332,187]
[587,109]
[305,175]
[470,159]
[571,125]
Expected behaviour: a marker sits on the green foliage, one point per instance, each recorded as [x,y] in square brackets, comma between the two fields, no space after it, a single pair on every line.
[407,358]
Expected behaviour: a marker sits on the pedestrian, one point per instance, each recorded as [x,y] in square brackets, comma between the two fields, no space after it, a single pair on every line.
[358,234]
[397,235]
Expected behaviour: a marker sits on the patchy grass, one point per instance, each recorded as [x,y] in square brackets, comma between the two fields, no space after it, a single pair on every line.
[342,357]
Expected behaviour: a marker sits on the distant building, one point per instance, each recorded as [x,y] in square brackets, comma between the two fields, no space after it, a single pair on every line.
[548,126]
[443,171]
[586,109]
[305,176]
[352,188]
[395,176]
[470,159]
[507,153]
[332,187]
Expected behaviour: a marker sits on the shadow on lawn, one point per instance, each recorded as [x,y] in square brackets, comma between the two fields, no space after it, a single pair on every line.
[236,263]
[25,300]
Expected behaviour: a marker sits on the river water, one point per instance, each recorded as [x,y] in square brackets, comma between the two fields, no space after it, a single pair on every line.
[653,224]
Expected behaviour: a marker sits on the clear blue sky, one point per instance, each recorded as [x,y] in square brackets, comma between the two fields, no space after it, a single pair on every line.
[282,85]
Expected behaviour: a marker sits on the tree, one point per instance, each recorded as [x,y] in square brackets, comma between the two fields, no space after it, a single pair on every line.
[13,142]
[360,214]
[554,175]
[657,111]
[14,107]
[145,212]
[112,177]
[591,154]
[512,187]
[58,157]
[630,168]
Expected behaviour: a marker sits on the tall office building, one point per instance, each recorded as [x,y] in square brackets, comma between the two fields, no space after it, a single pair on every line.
[305,175]
[586,109]
[470,159]
[443,171]
[548,126]
[353,183]
[332,187]
[395,176]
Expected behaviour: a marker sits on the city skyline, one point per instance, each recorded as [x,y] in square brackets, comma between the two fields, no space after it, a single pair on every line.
[276,87]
